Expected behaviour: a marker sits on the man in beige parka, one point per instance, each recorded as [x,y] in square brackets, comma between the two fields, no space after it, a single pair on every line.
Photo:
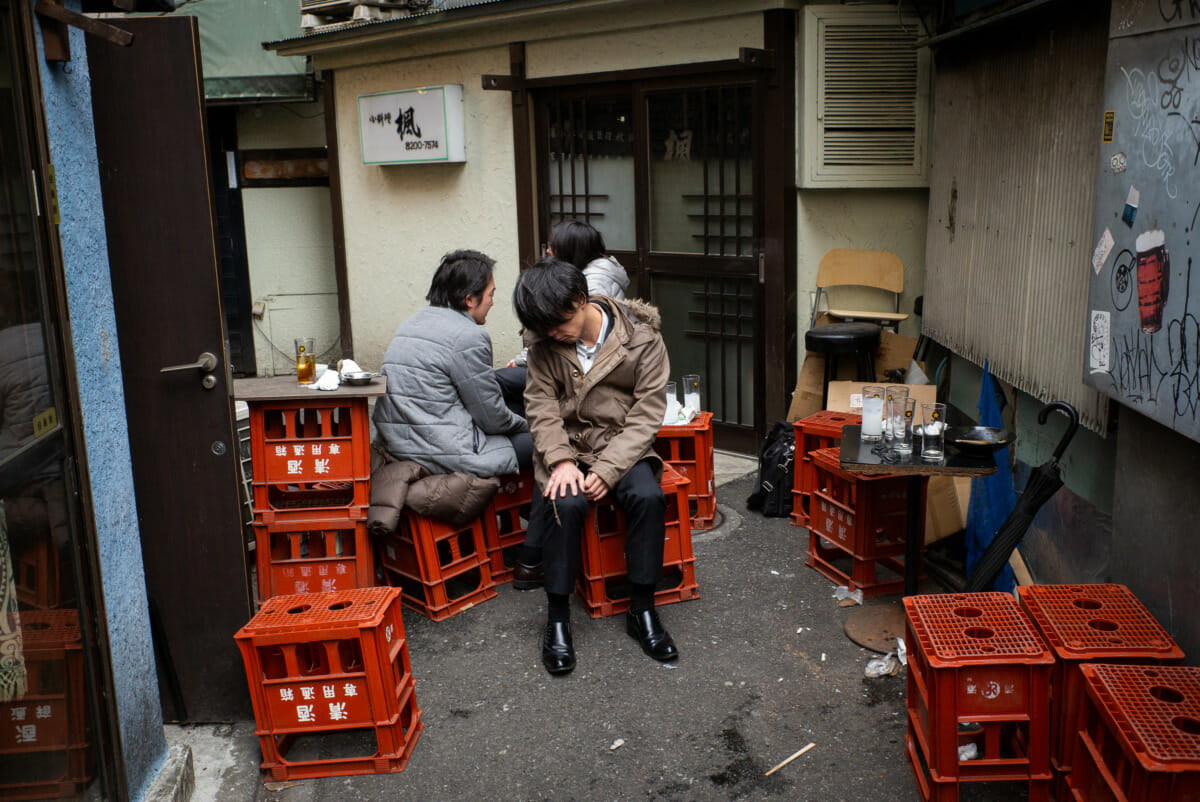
[594,399]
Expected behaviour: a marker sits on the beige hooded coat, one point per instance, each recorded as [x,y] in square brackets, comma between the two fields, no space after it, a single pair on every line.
[608,418]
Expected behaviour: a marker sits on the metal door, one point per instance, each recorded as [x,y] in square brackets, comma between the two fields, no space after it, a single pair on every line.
[150,136]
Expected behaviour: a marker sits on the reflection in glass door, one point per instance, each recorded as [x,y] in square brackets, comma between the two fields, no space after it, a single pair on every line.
[48,739]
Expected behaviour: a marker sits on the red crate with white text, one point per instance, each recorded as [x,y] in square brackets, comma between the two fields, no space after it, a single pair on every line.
[865,521]
[329,666]
[978,673]
[820,430]
[44,751]
[1089,624]
[312,556]
[1140,738]
[603,583]
[441,569]
[688,448]
[505,522]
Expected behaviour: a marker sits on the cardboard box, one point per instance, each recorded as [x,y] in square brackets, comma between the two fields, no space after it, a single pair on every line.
[847,396]
[895,353]
[945,506]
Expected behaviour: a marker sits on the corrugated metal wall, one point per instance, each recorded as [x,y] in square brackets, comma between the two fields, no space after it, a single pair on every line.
[1016,135]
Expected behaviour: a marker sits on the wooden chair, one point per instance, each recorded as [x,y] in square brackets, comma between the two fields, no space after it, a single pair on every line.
[881,270]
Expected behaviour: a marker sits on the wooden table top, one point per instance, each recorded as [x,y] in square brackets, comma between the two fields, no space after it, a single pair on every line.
[286,388]
[857,457]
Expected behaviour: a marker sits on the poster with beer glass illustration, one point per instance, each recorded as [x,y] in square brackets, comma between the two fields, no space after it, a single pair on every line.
[1142,325]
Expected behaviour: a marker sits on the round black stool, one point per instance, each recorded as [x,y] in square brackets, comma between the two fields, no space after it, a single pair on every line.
[835,339]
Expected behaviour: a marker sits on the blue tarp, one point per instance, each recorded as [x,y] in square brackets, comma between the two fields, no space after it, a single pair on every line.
[992,497]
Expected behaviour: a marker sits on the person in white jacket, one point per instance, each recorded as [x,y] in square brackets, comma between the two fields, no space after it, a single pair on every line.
[582,245]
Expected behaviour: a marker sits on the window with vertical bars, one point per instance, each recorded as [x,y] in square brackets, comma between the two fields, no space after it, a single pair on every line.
[866,106]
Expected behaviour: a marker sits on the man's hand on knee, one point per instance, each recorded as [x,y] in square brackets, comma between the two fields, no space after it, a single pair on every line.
[594,487]
[566,475]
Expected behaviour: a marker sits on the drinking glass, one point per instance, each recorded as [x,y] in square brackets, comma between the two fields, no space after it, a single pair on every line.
[691,391]
[306,360]
[902,431]
[892,414]
[933,432]
[872,414]
[672,415]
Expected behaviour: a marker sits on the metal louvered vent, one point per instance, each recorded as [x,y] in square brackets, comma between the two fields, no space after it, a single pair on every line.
[866,118]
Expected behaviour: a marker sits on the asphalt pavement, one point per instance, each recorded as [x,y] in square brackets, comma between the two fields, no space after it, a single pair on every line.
[765,669]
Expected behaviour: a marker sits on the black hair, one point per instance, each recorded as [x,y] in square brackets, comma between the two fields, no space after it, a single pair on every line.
[547,294]
[576,242]
[461,274]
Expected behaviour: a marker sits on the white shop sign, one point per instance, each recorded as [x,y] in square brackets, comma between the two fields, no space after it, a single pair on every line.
[413,126]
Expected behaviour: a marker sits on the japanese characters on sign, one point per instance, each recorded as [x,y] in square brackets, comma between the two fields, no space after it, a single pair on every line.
[412,126]
[328,702]
[308,460]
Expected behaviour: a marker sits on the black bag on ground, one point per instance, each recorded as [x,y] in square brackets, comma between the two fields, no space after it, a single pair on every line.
[772,494]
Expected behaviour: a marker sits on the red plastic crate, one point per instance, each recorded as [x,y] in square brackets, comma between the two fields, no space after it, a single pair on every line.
[603,583]
[1087,624]
[505,522]
[320,664]
[312,556]
[44,751]
[36,574]
[310,440]
[878,577]
[974,659]
[818,431]
[1141,738]
[688,448]
[343,502]
[442,570]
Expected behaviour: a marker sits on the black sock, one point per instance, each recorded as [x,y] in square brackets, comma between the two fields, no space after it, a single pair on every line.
[641,597]
[560,607]
[530,555]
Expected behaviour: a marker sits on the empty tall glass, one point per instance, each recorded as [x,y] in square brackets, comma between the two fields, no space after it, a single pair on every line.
[933,432]
[892,413]
[872,414]
[902,426]
[672,414]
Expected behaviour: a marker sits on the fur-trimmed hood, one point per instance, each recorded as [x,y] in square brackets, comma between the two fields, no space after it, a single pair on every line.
[638,310]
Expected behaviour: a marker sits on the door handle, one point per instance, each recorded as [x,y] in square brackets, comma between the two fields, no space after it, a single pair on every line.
[206,362]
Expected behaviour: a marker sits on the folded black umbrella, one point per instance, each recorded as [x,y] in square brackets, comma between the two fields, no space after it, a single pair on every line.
[1044,482]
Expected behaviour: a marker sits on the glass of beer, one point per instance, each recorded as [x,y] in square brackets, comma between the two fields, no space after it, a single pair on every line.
[1153,273]
[306,360]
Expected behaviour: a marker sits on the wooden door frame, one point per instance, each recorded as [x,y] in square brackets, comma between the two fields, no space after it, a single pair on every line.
[98,678]
[775,367]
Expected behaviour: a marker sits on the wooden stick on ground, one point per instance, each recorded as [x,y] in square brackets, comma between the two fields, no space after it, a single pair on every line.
[789,760]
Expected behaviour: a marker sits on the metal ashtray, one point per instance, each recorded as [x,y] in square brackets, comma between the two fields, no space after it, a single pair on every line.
[978,440]
[359,378]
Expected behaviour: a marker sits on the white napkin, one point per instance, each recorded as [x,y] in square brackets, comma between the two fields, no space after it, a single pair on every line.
[328,381]
[348,366]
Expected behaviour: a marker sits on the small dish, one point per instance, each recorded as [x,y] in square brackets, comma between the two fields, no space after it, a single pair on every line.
[978,440]
[359,378]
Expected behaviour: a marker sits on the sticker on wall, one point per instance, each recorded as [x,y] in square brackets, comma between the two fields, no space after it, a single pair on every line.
[1103,249]
[1098,341]
[1118,163]
[1131,206]
[1153,278]
[1110,123]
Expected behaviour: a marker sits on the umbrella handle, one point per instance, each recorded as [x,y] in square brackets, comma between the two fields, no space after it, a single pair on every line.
[1070,412]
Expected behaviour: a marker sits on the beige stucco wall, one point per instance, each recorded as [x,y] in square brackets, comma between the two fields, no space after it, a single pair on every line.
[289,243]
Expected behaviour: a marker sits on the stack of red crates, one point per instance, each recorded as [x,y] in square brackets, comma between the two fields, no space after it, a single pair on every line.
[978,677]
[1140,735]
[603,584]
[1089,624]
[325,670]
[311,486]
[818,431]
[864,519]
[44,752]
[441,569]
[505,522]
[688,448]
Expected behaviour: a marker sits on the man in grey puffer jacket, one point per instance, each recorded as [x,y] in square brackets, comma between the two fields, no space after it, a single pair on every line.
[443,408]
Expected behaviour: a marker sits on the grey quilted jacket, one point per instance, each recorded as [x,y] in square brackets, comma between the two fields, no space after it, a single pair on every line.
[443,409]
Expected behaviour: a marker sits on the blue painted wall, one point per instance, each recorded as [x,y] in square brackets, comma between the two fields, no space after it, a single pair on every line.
[67,95]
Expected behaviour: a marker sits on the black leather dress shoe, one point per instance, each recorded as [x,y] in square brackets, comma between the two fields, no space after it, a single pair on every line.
[650,633]
[528,577]
[558,650]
